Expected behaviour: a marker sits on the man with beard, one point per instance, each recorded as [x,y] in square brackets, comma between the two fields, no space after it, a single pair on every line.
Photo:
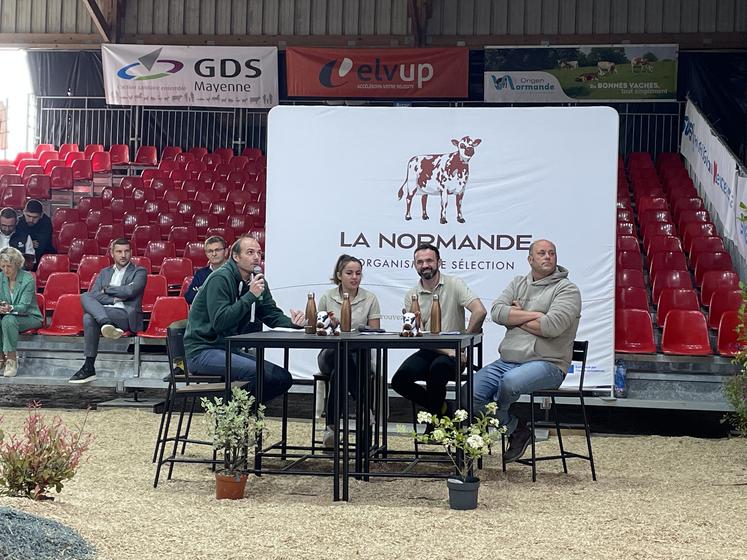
[436,367]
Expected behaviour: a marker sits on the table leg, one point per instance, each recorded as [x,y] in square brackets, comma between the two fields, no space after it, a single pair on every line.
[259,385]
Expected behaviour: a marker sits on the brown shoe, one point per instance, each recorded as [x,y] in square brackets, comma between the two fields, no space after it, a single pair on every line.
[518,443]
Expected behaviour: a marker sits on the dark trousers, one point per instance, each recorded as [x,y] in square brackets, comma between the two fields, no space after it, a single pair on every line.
[435,369]
[326,361]
[96,315]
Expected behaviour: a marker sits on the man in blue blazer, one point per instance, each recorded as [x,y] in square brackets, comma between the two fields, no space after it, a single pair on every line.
[112,305]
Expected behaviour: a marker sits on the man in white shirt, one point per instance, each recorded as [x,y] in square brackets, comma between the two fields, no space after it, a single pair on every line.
[111,306]
[11,237]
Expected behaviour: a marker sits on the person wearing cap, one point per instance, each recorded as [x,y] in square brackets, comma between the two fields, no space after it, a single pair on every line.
[37,225]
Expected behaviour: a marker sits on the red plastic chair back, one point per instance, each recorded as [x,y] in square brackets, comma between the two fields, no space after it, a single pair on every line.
[101,162]
[60,283]
[631,298]
[13,196]
[157,251]
[170,152]
[67,233]
[195,251]
[728,341]
[708,262]
[88,203]
[630,260]
[65,216]
[92,149]
[165,311]
[666,260]
[670,279]
[82,170]
[96,218]
[634,333]
[675,298]
[39,187]
[67,319]
[146,155]
[175,269]
[721,302]
[119,154]
[61,178]
[89,266]
[49,264]
[155,287]
[106,233]
[685,333]
[185,285]
[717,280]
[79,248]
[663,244]
[143,262]
[142,235]
[67,148]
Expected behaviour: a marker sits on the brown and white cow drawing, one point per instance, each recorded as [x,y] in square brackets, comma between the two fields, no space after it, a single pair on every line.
[439,174]
[642,64]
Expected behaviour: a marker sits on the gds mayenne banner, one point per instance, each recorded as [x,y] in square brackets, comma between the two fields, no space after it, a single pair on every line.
[190,76]
[713,166]
[334,181]
[378,73]
[580,73]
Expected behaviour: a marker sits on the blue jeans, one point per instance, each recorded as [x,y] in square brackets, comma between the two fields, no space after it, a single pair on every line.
[504,382]
[276,380]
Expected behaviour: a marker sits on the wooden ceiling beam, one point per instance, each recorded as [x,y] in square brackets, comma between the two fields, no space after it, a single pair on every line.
[101,22]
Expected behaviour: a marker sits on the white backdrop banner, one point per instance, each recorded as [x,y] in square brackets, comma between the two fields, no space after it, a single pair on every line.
[333,181]
[190,76]
[740,216]
[714,167]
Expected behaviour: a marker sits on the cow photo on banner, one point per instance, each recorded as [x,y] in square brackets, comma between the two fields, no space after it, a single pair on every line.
[480,184]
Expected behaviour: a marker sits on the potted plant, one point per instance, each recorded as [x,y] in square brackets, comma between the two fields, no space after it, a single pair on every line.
[234,427]
[473,440]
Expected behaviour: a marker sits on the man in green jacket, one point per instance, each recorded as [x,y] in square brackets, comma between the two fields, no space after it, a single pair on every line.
[223,307]
[541,312]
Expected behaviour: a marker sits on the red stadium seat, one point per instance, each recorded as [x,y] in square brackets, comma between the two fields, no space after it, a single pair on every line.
[142,195]
[173,197]
[686,203]
[631,298]
[697,229]
[191,187]
[129,184]
[82,170]
[25,163]
[52,164]
[259,235]
[185,285]
[623,228]
[143,262]
[675,298]
[670,279]
[211,161]
[92,149]
[67,233]
[146,155]
[685,333]
[222,170]
[257,213]
[89,266]
[39,187]
[634,333]
[222,188]
[70,157]
[178,176]
[96,218]
[630,260]
[13,196]
[88,203]
[61,178]
[120,207]
[119,154]
[65,216]
[79,248]
[630,279]
[30,170]
[22,156]
[240,199]
[663,244]
[728,341]
[175,269]
[653,216]
[709,244]
[11,179]
[67,148]
[170,152]
[239,162]
[108,193]
[198,151]
[142,235]
[652,203]
[67,319]
[180,236]
[204,221]
[184,158]
[156,251]
[165,311]
[657,228]
[721,302]
[625,215]
[667,260]
[60,283]
[101,163]
[206,177]
[106,233]
[222,209]
[195,168]
[206,198]
[155,287]
[133,219]
[225,154]
[166,221]
[225,232]
[252,153]
[188,209]
[717,280]
[708,262]
[44,157]
[154,208]
[195,251]
[689,216]
[41,148]
[49,264]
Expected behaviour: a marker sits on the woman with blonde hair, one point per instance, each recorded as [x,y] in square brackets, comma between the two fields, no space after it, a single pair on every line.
[18,308]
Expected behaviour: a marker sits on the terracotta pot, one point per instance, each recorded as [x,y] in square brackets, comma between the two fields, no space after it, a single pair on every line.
[463,495]
[229,486]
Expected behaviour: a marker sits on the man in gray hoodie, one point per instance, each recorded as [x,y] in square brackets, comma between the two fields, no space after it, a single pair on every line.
[540,312]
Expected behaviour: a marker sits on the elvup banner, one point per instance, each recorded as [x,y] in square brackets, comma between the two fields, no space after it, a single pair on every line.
[190,76]
[580,73]
[479,183]
[713,166]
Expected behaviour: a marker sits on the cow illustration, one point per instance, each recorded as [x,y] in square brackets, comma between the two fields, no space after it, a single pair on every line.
[587,77]
[643,65]
[441,174]
[604,67]
[571,64]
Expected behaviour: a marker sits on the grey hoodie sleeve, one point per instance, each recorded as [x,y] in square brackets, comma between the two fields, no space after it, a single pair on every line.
[564,310]
[502,306]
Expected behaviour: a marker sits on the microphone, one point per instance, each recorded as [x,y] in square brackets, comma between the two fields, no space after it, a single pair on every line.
[256,270]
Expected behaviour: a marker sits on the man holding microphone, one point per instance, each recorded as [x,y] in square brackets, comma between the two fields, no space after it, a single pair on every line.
[227,304]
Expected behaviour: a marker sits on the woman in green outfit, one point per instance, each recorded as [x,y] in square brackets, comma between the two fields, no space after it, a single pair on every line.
[18,307]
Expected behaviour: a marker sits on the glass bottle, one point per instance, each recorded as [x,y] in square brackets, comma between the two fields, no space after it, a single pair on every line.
[310,327]
[346,314]
[436,315]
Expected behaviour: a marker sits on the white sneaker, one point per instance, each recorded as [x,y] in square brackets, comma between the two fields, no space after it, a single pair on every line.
[110,331]
[328,439]
[11,368]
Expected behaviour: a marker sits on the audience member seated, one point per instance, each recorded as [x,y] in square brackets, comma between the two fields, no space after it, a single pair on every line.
[11,236]
[18,307]
[223,307]
[216,250]
[35,223]
[111,306]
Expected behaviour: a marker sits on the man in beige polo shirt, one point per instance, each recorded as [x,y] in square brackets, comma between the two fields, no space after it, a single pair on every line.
[436,368]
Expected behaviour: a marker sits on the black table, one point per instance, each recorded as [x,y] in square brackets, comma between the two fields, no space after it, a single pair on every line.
[261,341]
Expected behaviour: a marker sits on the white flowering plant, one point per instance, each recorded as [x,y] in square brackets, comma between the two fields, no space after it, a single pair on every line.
[235,427]
[454,433]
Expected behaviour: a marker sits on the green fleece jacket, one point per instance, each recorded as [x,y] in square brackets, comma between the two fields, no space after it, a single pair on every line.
[217,311]
[560,301]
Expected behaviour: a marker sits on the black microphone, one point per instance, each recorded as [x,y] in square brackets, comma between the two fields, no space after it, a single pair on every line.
[256,270]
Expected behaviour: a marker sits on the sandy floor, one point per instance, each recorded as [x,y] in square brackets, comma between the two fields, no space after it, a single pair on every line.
[655,498]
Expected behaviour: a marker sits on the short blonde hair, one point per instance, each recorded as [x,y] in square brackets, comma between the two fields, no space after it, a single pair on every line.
[13,256]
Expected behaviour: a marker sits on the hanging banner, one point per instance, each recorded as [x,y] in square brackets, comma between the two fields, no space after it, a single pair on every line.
[580,73]
[713,167]
[740,216]
[377,73]
[190,76]
[481,184]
